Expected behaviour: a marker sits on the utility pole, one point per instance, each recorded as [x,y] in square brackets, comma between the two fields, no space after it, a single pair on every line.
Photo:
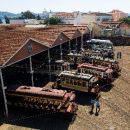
[3,91]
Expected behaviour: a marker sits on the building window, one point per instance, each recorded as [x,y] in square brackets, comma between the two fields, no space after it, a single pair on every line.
[98,19]
[29,48]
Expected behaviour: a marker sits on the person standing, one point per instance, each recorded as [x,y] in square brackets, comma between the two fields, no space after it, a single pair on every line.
[95,103]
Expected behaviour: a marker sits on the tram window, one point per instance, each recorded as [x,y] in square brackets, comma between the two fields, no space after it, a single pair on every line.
[55,67]
[71,81]
[67,80]
[75,83]
[86,71]
[52,67]
[84,84]
[79,83]
[63,79]
[58,68]
[105,75]
[47,67]
[90,85]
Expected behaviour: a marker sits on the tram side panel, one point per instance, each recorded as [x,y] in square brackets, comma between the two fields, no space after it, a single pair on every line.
[42,101]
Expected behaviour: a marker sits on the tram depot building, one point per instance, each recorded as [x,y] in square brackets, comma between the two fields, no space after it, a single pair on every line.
[33,56]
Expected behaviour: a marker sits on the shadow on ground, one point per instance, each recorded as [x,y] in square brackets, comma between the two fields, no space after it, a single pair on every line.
[37,119]
[84,98]
[107,88]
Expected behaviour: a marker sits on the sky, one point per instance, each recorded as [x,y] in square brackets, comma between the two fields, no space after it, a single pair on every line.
[17,6]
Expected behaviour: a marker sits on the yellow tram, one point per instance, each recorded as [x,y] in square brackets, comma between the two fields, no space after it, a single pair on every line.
[77,81]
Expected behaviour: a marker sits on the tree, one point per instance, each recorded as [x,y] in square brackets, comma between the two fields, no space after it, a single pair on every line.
[27,15]
[38,17]
[7,19]
[1,21]
[125,20]
[53,20]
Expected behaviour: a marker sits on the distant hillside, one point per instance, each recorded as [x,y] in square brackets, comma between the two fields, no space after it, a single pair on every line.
[8,14]
[12,15]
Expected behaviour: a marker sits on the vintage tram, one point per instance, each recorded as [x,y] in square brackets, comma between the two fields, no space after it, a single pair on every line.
[99,44]
[42,99]
[112,63]
[104,74]
[74,57]
[77,81]
[100,47]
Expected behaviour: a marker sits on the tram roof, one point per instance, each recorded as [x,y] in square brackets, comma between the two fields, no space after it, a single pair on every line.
[100,41]
[76,75]
[39,91]
[102,59]
[91,66]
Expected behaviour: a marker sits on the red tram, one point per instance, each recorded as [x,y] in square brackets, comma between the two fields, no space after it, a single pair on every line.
[42,99]
[105,74]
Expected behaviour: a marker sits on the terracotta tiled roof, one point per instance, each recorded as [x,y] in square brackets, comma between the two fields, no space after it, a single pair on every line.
[64,14]
[8,46]
[11,41]
[13,37]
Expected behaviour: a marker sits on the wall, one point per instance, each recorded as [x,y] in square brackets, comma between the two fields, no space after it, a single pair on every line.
[17,21]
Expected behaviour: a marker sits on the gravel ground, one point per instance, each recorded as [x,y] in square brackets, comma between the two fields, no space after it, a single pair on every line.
[114,114]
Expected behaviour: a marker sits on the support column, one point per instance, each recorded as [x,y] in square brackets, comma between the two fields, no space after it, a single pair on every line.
[3,91]
[49,63]
[61,53]
[76,44]
[31,71]
[69,45]
[61,56]
[82,41]
[90,33]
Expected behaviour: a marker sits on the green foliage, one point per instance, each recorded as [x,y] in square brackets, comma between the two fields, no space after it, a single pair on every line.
[1,21]
[53,21]
[38,17]
[7,19]
[125,20]
[27,15]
